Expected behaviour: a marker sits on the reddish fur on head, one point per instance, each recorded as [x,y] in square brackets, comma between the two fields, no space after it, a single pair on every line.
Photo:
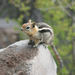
[32,29]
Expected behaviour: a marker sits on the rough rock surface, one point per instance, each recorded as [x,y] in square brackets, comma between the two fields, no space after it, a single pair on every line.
[22,59]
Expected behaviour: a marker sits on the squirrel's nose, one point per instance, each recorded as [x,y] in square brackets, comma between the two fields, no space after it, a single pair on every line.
[21,29]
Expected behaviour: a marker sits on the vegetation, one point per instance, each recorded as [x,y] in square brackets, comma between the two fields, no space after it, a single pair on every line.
[60,15]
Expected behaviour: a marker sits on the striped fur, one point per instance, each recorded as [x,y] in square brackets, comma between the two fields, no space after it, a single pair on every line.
[44,29]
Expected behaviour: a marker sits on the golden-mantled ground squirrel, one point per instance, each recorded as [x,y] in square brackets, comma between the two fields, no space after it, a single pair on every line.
[41,33]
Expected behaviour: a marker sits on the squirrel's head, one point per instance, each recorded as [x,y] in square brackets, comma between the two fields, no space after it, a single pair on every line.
[29,27]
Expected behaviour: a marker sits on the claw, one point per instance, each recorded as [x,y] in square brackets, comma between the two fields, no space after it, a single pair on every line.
[45,45]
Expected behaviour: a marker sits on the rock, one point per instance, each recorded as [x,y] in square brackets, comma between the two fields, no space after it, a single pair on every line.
[22,59]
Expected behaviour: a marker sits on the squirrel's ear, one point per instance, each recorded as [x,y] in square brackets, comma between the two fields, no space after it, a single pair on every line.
[33,24]
[29,21]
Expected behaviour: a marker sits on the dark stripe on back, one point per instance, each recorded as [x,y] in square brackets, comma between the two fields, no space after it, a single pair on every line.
[44,30]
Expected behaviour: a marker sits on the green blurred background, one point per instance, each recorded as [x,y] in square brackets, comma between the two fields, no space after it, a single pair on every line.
[60,14]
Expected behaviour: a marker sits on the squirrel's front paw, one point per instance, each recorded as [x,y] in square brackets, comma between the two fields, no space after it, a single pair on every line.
[35,45]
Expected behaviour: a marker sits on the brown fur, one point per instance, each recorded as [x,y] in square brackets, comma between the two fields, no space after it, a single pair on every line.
[33,31]
[34,39]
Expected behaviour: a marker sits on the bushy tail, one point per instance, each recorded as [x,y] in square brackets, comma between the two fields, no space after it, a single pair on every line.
[57,55]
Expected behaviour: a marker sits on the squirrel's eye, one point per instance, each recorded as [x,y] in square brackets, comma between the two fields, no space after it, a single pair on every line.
[27,27]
